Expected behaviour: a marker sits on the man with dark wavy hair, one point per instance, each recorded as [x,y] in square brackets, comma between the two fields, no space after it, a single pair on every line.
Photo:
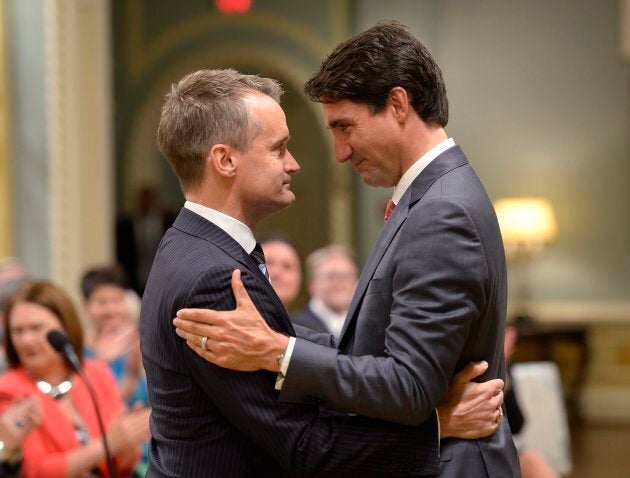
[432,297]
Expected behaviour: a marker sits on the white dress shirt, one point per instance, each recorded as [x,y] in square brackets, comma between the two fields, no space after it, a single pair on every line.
[416,168]
[232,227]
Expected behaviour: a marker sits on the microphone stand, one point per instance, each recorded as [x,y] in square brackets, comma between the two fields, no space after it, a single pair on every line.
[73,359]
[62,344]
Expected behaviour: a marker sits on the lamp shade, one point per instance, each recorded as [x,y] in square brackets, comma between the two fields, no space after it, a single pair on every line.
[526,220]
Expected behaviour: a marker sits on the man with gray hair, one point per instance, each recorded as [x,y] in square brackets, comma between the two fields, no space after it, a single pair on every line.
[225,136]
[332,277]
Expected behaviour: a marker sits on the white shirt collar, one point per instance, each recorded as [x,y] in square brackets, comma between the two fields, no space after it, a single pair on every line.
[416,168]
[233,227]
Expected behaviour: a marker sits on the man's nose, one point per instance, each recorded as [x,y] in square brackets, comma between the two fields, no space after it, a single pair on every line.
[343,150]
[291,166]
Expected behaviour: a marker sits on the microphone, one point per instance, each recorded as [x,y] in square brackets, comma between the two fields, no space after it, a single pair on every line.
[62,344]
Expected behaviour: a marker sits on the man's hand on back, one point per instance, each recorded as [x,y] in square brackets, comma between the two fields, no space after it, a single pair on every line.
[238,339]
[469,409]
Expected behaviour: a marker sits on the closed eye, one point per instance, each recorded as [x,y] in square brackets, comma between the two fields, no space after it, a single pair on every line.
[340,126]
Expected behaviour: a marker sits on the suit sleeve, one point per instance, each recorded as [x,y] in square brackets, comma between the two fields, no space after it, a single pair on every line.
[325,339]
[438,276]
[302,439]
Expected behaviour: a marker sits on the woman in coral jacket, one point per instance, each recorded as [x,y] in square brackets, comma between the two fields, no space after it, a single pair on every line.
[68,442]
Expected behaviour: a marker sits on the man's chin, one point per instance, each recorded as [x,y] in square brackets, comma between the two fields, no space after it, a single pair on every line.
[376,182]
[287,200]
[369,180]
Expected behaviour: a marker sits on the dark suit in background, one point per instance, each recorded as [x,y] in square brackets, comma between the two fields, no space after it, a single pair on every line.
[138,236]
[309,319]
[209,421]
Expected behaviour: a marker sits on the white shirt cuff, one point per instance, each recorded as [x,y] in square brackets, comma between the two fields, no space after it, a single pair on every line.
[437,416]
[284,366]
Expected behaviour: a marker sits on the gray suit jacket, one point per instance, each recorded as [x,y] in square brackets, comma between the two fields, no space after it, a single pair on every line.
[431,299]
[207,421]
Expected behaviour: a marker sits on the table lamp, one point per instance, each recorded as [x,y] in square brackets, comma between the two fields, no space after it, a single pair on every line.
[527,223]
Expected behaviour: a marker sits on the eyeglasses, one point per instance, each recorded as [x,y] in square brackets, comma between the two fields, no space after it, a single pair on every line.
[336,276]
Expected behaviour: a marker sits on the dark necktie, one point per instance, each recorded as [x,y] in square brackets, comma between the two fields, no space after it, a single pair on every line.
[389,208]
[259,256]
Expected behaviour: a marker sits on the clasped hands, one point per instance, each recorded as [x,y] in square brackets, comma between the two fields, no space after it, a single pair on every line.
[241,339]
[18,420]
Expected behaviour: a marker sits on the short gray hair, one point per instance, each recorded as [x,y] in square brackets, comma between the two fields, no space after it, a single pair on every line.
[318,256]
[206,108]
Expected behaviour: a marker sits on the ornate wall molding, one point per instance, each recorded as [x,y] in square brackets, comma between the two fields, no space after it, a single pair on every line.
[79,137]
[143,55]
[6,248]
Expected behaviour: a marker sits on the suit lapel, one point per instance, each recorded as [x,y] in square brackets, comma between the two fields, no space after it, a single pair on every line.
[398,217]
[447,161]
[195,225]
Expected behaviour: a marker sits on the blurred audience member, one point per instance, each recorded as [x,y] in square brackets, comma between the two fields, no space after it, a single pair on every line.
[12,276]
[16,422]
[11,272]
[533,465]
[283,265]
[114,338]
[332,278]
[138,236]
[67,442]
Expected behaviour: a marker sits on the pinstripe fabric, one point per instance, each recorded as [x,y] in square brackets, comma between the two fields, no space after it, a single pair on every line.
[212,422]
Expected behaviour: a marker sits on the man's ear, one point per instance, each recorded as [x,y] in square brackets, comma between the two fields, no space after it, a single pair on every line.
[398,101]
[222,160]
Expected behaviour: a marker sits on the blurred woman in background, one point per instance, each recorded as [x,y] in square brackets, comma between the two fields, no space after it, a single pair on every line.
[67,443]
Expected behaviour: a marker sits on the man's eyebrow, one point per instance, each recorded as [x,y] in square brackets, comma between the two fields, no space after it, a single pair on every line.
[281,141]
[337,122]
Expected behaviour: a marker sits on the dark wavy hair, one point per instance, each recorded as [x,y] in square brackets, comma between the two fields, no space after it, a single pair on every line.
[367,66]
[100,276]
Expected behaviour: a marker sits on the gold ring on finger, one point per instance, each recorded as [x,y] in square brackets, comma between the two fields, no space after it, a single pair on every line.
[204,341]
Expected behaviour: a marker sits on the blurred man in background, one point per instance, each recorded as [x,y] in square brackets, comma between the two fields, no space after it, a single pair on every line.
[332,278]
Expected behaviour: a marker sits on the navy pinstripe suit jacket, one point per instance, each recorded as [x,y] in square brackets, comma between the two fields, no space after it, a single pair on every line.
[207,421]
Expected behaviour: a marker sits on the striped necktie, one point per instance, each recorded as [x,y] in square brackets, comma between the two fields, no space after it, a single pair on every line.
[259,256]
